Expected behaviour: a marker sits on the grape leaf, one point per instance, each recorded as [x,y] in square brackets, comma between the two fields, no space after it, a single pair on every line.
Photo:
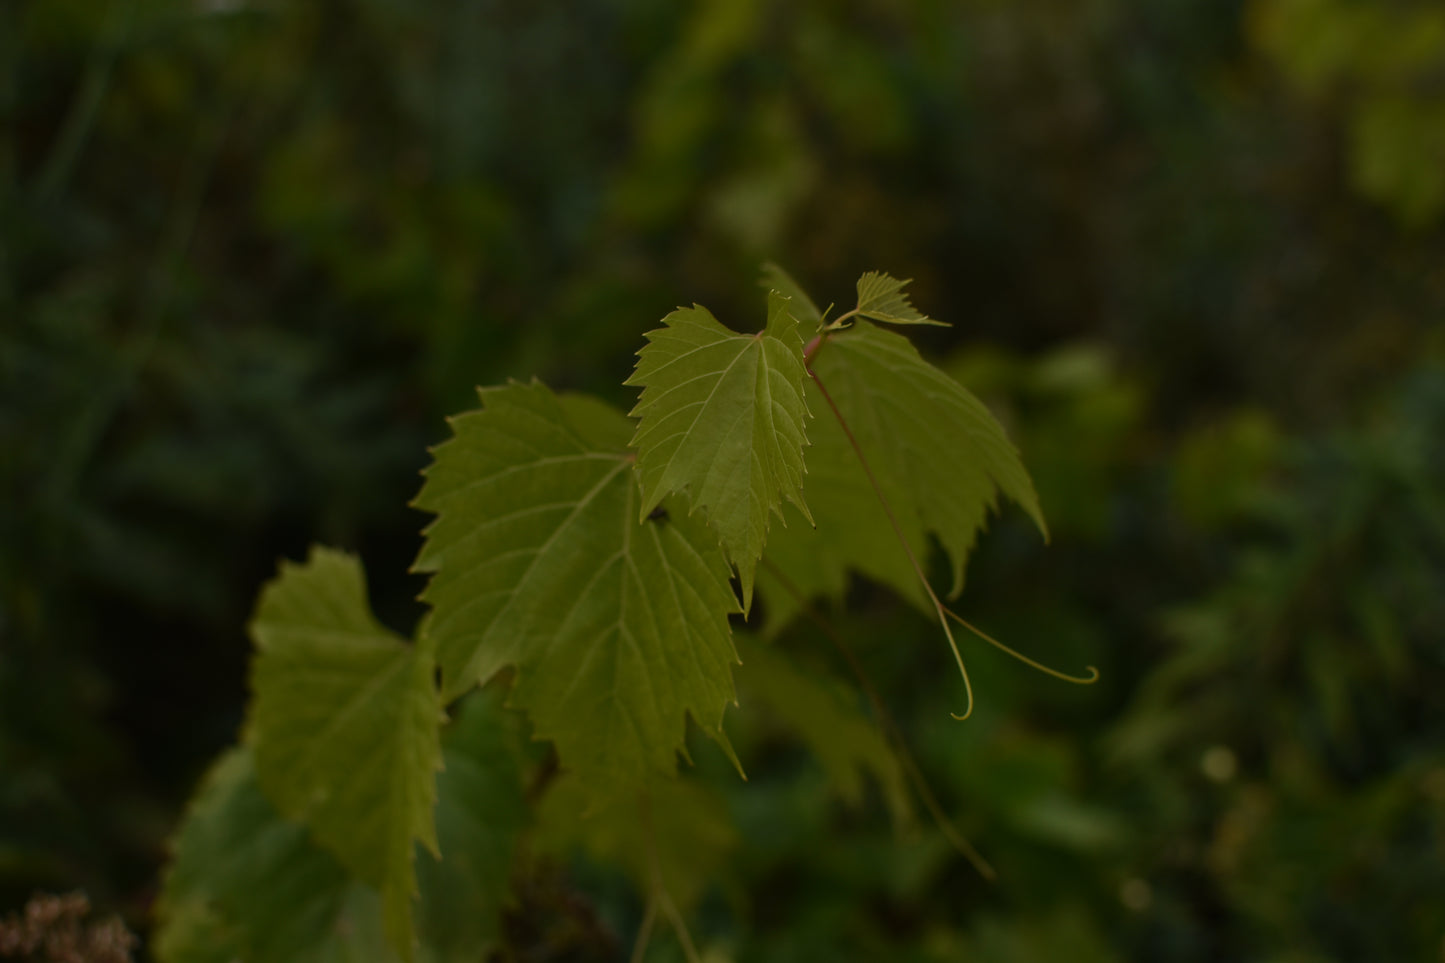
[246,884]
[617,627]
[881,297]
[802,307]
[344,725]
[846,743]
[722,420]
[939,456]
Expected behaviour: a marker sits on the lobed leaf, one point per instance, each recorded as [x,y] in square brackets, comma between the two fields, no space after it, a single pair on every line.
[881,298]
[344,727]
[542,558]
[722,420]
[939,456]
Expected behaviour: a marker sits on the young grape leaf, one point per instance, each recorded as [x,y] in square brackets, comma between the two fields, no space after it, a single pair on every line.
[344,726]
[844,740]
[722,420]
[246,884]
[802,307]
[939,457]
[617,626]
[881,297]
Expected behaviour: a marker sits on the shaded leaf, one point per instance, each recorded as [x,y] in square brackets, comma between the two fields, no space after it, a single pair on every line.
[846,742]
[481,807]
[722,420]
[681,821]
[344,726]
[617,627]
[246,884]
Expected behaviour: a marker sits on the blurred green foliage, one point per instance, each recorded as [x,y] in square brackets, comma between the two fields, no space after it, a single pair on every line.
[252,253]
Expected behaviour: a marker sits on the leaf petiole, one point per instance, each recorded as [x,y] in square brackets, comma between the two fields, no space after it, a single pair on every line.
[837,323]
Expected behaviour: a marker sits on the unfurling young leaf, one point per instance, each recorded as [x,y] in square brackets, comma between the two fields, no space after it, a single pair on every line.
[344,727]
[722,421]
[543,558]
[881,297]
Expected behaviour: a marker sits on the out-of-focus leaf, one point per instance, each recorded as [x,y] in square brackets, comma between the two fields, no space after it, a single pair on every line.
[676,829]
[246,884]
[845,741]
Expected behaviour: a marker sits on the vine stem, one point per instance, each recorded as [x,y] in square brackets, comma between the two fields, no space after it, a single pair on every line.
[898,531]
[890,726]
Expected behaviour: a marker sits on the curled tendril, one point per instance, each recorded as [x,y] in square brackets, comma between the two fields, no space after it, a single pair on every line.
[1090,679]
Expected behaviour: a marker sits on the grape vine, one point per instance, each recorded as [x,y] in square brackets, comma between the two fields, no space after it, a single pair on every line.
[581,565]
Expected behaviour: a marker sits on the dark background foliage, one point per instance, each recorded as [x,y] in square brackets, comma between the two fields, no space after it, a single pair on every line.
[1191,250]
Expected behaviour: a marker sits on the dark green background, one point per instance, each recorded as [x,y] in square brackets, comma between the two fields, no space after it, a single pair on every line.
[1192,251]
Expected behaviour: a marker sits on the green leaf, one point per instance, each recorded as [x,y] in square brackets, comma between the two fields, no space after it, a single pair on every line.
[845,741]
[881,297]
[939,456]
[802,307]
[722,420]
[617,627]
[246,884]
[344,726]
